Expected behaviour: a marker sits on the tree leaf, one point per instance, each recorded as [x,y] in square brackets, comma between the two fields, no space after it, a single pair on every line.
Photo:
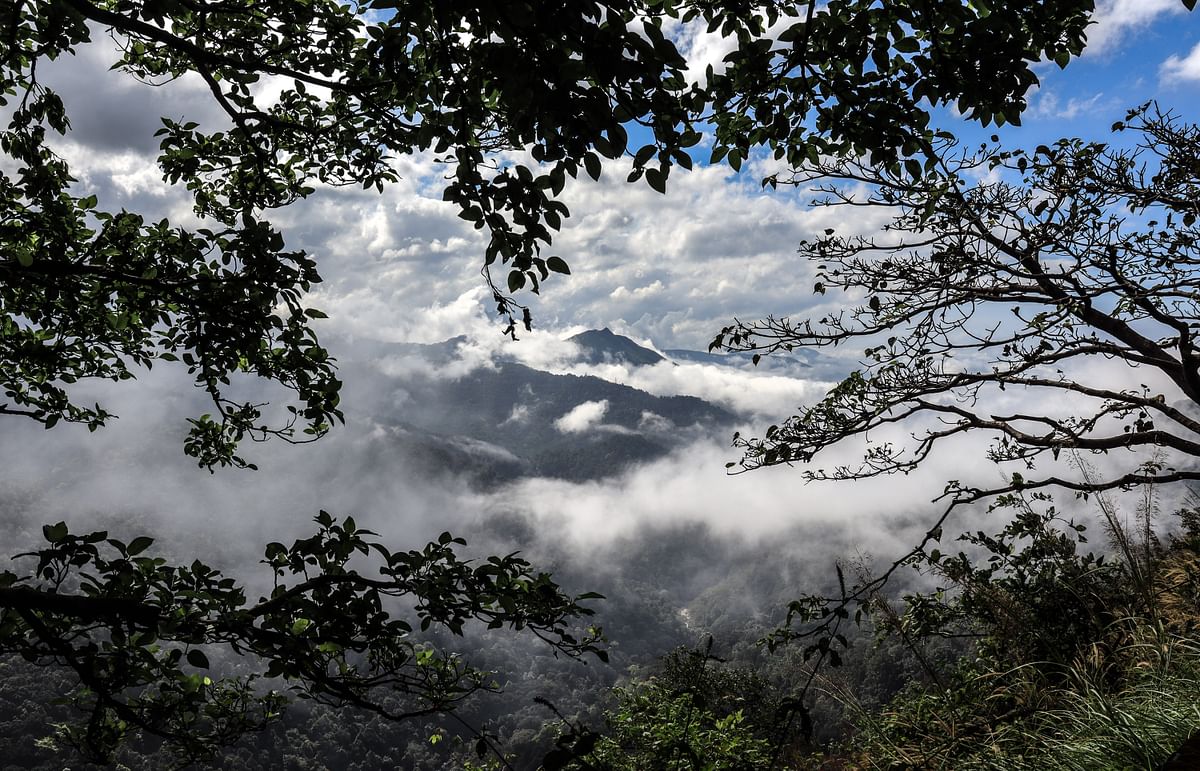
[591,164]
[657,180]
[139,545]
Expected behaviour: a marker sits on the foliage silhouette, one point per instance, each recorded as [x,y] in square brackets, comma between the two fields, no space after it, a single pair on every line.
[1002,270]
[90,293]
[138,631]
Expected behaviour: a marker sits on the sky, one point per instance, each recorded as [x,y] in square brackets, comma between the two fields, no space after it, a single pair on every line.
[668,270]
[671,269]
[674,269]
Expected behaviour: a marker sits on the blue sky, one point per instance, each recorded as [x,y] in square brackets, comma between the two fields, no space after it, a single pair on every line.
[1142,50]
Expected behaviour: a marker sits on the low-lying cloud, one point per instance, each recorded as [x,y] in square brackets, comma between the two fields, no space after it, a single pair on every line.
[585,417]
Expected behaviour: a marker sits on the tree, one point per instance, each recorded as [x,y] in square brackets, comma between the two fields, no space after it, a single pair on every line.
[1002,270]
[1073,252]
[92,294]
[89,293]
[1078,661]
[138,632]
[854,78]
[694,713]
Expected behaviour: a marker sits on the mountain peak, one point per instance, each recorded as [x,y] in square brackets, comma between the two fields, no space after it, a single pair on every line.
[603,346]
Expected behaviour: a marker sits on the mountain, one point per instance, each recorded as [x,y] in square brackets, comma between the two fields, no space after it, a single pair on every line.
[741,358]
[502,421]
[497,420]
[603,346]
[801,363]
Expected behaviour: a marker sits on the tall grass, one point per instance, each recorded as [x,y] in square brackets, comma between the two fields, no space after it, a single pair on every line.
[1126,700]
[1018,721]
[1137,725]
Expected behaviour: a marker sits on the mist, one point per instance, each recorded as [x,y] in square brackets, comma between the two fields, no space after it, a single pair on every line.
[135,469]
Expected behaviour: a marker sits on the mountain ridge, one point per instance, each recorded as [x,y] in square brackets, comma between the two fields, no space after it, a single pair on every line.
[521,410]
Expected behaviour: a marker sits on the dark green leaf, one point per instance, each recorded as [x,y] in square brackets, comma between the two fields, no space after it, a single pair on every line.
[139,545]
[592,164]
[657,179]
[55,533]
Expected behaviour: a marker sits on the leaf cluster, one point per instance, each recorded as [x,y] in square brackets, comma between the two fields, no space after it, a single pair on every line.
[695,713]
[138,632]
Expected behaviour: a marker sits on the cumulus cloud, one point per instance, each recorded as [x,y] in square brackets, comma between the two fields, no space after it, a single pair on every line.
[1115,20]
[117,113]
[402,266]
[584,417]
[1177,69]
[674,268]
[623,293]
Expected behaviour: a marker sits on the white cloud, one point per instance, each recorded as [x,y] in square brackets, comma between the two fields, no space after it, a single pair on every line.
[641,292]
[690,485]
[113,111]
[520,414]
[652,422]
[673,267]
[374,312]
[745,391]
[1049,105]
[583,417]
[1115,20]
[703,49]
[1177,69]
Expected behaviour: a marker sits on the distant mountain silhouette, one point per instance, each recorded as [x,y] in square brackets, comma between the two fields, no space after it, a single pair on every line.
[603,346]
[498,422]
[742,359]
[800,363]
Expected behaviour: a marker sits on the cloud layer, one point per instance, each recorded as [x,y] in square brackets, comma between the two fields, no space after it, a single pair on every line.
[400,266]
[1177,69]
